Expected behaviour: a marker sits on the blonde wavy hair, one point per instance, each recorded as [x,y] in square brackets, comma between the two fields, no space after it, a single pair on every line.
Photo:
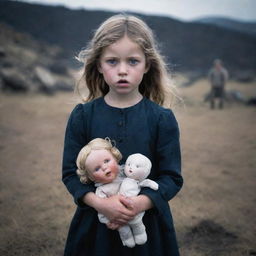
[95,144]
[156,84]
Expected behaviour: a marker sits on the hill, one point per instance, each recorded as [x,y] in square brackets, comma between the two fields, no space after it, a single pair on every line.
[243,27]
[188,46]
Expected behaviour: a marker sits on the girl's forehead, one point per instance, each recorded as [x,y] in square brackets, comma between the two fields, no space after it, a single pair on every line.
[123,46]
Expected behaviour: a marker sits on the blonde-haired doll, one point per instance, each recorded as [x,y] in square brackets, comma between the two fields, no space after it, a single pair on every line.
[98,162]
[128,85]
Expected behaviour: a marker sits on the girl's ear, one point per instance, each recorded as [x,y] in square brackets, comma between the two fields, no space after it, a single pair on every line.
[147,68]
[99,68]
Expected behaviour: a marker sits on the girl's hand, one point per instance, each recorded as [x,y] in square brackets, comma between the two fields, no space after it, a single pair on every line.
[137,204]
[113,226]
[114,210]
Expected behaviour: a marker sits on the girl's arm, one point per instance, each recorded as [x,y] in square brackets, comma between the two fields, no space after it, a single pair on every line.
[75,139]
[168,159]
[111,207]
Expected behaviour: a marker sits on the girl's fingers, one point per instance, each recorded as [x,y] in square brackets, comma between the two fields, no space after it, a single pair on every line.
[112,225]
[127,202]
[124,219]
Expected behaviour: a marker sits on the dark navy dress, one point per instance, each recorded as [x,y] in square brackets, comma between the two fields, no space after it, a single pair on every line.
[144,128]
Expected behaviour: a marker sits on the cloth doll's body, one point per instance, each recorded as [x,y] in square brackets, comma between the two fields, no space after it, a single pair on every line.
[137,168]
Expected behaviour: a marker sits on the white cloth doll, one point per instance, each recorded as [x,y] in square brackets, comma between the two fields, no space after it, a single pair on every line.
[137,168]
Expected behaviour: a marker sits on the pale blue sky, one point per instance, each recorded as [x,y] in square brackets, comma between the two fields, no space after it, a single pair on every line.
[182,9]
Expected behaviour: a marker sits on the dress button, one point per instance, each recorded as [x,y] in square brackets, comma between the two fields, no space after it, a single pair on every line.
[120,123]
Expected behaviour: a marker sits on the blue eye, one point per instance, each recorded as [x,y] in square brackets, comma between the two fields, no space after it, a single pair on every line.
[133,61]
[106,161]
[112,62]
[97,169]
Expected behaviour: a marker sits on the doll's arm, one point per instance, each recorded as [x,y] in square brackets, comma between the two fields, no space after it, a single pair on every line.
[149,183]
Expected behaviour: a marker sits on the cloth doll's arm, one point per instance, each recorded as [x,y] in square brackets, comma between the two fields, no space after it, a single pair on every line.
[75,139]
[149,183]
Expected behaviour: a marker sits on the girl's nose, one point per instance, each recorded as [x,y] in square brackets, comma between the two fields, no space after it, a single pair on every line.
[122,69]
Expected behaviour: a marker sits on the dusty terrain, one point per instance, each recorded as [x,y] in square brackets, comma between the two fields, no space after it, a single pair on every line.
[214,213]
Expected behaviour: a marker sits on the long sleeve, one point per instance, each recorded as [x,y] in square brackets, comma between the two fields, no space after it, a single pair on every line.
[168,162]
[75,139]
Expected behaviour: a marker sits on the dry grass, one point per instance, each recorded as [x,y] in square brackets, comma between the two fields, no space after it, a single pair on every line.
[214,213]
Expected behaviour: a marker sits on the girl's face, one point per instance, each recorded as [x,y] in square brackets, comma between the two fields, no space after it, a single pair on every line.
[101,166]
[123,65]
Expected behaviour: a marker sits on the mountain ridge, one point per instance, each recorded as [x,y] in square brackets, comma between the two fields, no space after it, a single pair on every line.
[186,45]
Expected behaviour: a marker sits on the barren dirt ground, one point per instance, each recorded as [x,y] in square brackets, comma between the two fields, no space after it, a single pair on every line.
[214,213]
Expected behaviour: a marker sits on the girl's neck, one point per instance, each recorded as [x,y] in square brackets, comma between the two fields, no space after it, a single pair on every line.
[122,101]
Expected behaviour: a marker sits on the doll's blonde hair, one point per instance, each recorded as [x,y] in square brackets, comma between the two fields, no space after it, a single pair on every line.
[95,144]
[156,84]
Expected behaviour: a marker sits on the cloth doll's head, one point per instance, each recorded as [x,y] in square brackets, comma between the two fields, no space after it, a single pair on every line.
[137,166]
[98,161]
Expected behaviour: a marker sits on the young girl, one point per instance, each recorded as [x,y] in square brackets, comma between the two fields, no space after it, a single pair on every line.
[127,82]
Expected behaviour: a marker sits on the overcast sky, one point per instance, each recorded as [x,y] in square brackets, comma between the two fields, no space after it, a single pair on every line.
[181,9]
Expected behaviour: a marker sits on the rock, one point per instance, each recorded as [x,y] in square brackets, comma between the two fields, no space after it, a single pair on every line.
[230,96]
[235,96]
[245,76]
[63,86]
[251,101]
[58,67]
[2,52]
[13,80]
[46,78]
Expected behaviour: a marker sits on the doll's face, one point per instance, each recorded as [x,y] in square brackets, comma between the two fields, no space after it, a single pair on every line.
[137,167]
[101,166]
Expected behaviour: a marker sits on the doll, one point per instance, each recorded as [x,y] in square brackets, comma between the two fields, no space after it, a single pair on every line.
[98,162]
[137,168]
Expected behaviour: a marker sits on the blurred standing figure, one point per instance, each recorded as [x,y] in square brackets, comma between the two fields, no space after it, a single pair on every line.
[218,77]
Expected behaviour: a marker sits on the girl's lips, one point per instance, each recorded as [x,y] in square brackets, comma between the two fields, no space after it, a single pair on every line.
[122,81]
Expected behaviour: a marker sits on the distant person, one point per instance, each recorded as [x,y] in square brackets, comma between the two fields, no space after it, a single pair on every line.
[127,82]
[218,77]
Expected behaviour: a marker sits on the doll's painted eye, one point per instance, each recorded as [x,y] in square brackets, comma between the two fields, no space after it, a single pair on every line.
[97,169]
[106,161]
